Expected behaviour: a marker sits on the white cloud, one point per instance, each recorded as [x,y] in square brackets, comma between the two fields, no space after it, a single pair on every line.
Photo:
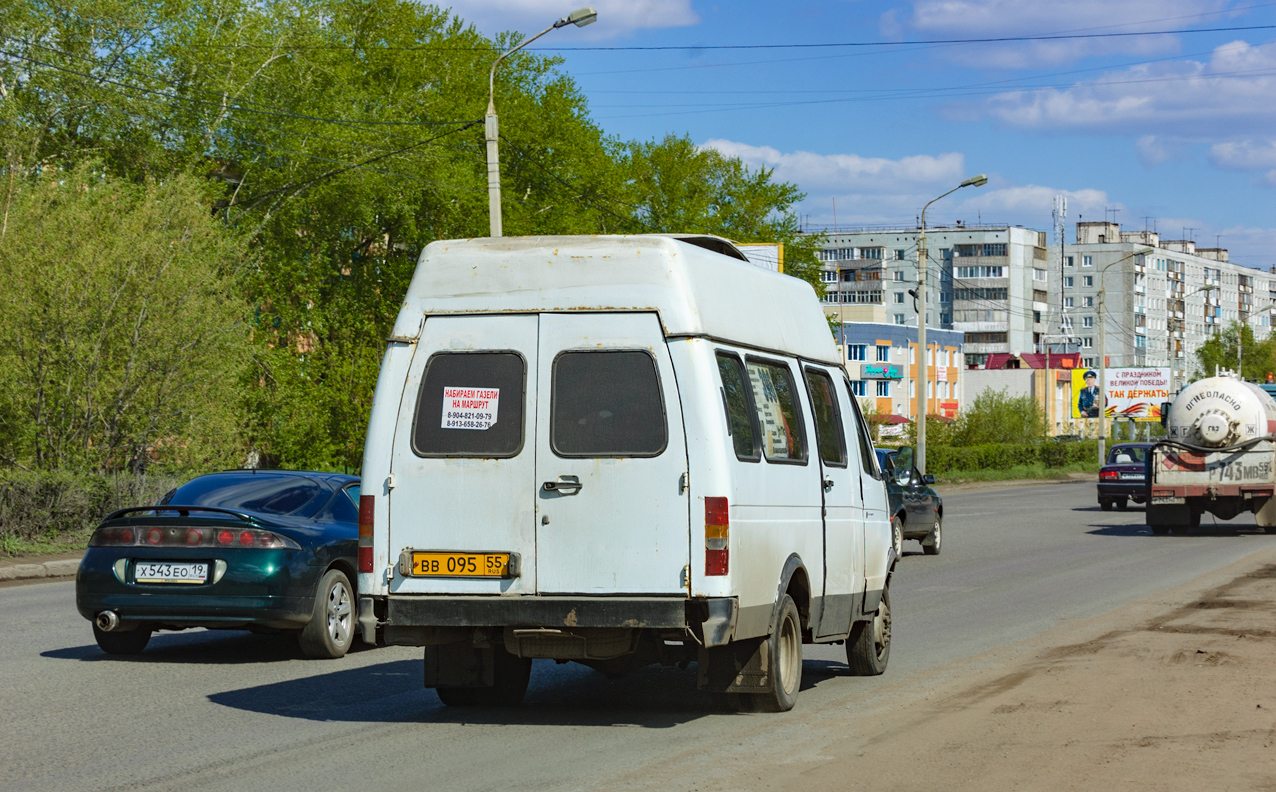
[1234,91]
[847,171]
[1156,150]
[615,17]
[993,18]
[879,190]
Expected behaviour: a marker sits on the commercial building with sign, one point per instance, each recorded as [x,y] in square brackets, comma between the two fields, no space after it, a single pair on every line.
[881,359]
[989,283]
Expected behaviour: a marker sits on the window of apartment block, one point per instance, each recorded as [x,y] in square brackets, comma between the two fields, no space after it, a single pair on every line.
[899,298]
[1036,316]
[899,276]
[858,388]
[912,389]
[1068,261]
[1087,280]
[899,255]
[856,352]
[828,276]
[1067,302]
[930,389]
[1088,362]
[1087,321]
[883,354]
[1087,261]
[1087,302]
[884,389]
[899,319]
[912,355]
[1087,343]
[1067,282]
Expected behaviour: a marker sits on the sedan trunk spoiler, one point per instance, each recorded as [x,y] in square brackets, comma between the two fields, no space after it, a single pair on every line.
[184,511]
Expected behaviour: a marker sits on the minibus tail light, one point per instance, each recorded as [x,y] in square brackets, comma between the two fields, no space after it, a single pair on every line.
[717,528]
[366,509]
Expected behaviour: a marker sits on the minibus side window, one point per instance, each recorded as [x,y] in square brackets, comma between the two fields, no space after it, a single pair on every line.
[828,423]
[607,404]
[776,403]
[735,401]
[470,405]
[868,458]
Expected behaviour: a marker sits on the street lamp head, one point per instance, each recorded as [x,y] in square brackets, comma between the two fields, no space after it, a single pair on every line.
[580,17]
[975,181]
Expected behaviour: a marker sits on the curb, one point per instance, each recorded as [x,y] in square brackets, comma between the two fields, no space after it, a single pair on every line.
[49,569]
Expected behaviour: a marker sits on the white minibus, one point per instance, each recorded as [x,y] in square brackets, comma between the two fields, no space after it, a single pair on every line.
[618,450]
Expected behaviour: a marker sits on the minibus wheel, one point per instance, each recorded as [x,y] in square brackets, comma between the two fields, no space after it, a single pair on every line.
[869,647]
[784,654]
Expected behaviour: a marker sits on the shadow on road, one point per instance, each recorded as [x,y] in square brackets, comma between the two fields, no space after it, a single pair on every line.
[204,647]
[1139,529]
[559,695]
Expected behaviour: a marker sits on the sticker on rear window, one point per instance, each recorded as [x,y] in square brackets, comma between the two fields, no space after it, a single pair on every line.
[470,408]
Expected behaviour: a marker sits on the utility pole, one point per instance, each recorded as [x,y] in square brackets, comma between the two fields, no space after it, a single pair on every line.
[580,17]
[922,266]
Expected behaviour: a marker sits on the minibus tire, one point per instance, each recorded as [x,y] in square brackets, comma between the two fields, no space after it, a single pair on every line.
[868,649]
[784,655]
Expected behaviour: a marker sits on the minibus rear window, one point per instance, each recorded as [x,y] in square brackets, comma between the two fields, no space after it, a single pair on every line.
[470,405]
[775,399]
[607,404]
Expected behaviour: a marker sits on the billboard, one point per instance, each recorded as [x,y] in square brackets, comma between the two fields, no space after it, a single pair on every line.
[1134,393]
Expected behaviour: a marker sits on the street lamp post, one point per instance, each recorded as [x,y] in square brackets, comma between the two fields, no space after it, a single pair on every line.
[580,17]
[1103,356]
[922,265]
[1174,352]
[1240,338]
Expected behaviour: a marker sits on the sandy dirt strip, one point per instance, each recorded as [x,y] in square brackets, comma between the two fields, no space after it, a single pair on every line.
[1173,692]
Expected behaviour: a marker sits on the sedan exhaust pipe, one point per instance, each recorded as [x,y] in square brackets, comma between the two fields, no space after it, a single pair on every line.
[107,621]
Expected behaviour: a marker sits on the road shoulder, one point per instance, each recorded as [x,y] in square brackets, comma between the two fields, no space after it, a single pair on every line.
[1174,691]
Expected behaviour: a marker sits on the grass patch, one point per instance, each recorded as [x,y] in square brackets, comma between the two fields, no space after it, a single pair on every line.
[1036,471]
[59,544]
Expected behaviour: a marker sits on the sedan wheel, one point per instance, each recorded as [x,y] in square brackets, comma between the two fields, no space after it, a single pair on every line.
[932,543]
[897,536]
[331,627]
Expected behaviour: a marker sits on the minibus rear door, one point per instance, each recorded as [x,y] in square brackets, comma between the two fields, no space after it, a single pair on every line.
[612,502]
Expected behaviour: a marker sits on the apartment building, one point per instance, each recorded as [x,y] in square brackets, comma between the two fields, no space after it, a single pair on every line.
[989,283]
[1163,298]
[881,359]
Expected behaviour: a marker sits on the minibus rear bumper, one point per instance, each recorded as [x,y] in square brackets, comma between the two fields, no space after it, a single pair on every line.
[411,619]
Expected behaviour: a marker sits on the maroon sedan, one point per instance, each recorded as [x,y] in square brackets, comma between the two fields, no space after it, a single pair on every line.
[1123,478]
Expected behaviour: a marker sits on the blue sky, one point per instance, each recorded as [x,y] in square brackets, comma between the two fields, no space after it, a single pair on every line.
[1173,131]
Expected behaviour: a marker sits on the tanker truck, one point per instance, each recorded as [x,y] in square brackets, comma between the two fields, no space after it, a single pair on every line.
[1218,456]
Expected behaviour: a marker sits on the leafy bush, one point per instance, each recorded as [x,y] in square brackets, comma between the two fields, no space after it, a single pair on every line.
[997,417]
[941,459]
[61,506]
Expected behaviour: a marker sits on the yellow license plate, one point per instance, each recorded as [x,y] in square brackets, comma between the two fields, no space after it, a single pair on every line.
[482,565]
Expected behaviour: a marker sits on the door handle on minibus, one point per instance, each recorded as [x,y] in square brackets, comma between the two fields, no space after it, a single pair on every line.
[568,485]
[828,484]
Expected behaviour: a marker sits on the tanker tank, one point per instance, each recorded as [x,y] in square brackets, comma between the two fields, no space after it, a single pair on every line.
[1218,457]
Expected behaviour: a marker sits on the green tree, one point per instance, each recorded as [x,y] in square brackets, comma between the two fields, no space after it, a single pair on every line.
[121,336]
[1219,351]
[998,417]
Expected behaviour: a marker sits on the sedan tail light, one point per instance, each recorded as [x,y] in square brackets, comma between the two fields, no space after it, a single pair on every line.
[1109,475]
[187,536]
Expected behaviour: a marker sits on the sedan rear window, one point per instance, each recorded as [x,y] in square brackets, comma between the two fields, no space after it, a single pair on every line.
[607,404]
[263,493]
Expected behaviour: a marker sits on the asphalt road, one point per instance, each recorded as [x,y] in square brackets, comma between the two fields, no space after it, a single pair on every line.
[209,710]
